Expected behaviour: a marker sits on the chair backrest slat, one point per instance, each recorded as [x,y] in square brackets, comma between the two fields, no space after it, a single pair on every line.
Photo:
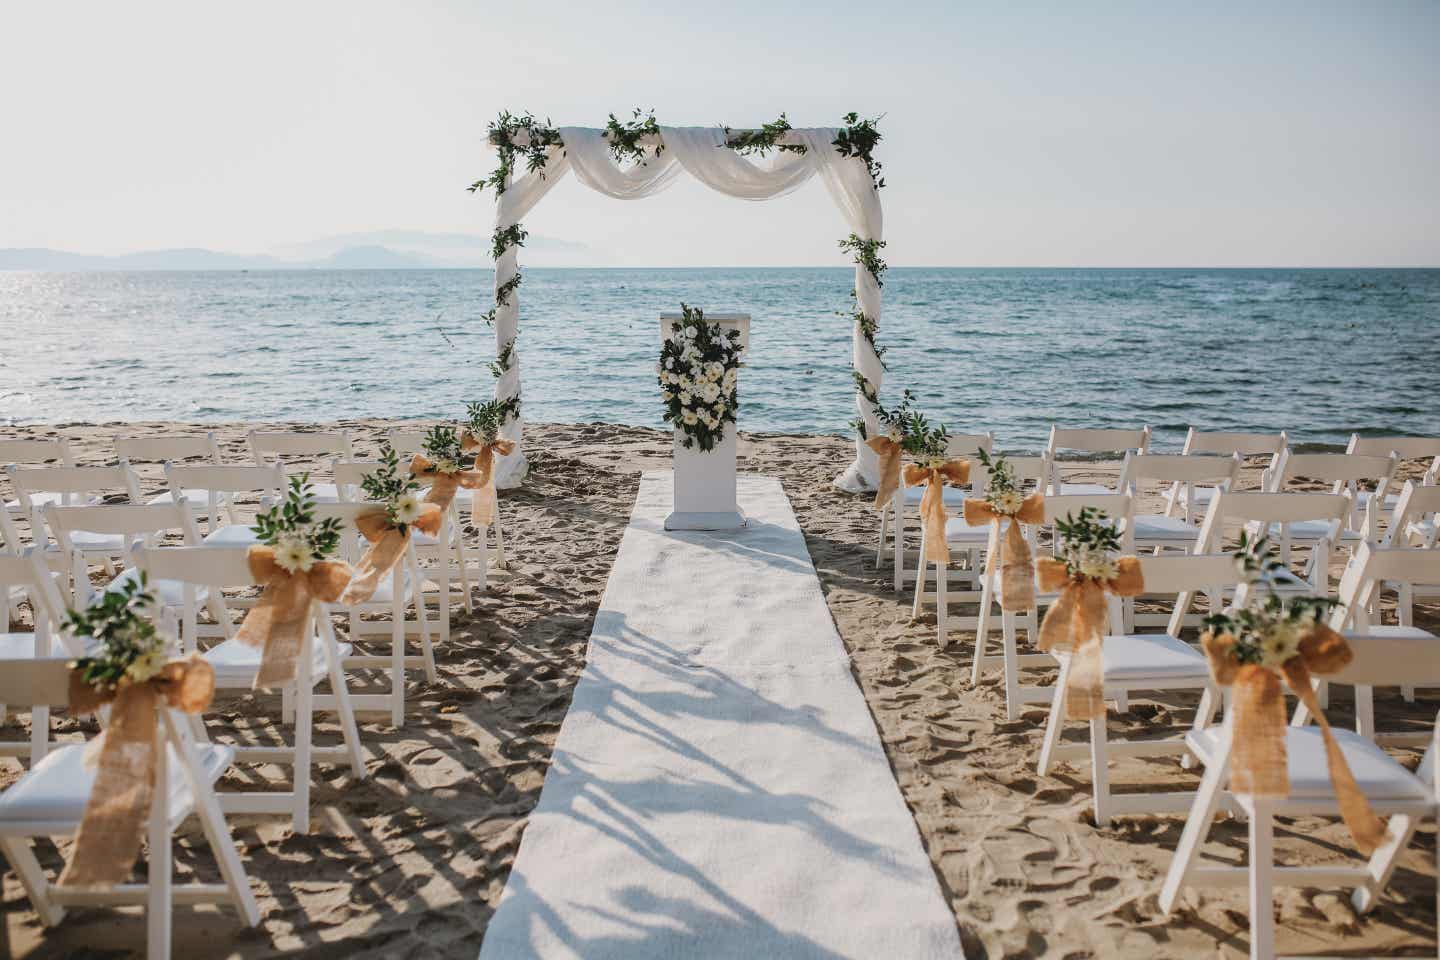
[1409,448]
[226,478]
[292,443]
[159,449]
[33,480]
[203,566]
[1228,442]
[37,451]
[35,682]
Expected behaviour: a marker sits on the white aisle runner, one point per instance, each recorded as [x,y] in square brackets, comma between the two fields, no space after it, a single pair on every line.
[718,788]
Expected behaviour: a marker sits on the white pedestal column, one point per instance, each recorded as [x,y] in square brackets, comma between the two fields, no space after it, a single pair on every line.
[705,480]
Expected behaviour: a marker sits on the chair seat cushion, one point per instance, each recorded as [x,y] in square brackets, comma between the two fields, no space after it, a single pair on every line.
[1379,776]
[1364,497]
[192,497]
[42,499]
[1084,489]
[385,592]
[231,535]
[1303,530]
[1159,655]
[952,497]
[1160,527]
[958,531]
[109,543]
[19,646]
[1394,632]
[325,492]
[170,593]
[55,789]
[1421,530]
[235,663]
[1203,495]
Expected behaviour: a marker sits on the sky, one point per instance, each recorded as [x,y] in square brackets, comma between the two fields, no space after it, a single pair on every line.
[1015,134]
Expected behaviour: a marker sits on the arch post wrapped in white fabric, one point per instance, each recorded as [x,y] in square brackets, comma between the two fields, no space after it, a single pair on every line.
[704,154]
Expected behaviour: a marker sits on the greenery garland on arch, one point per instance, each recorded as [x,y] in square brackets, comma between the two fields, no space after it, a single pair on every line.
[858,138]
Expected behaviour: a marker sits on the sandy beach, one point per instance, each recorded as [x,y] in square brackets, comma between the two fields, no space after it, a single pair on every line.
[411,861]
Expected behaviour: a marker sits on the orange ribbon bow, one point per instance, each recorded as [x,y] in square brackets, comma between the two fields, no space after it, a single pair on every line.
[114,820]
[889,453]
[277,621]
[1258,762]
[387,545]
[932,504]
[1076,622]
[444,486]
[482,501]
[1017,569]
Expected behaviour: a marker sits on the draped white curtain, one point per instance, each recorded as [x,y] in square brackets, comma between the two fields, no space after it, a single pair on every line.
[701,152]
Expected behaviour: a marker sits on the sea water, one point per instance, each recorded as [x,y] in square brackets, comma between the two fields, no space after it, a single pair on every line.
[1319,353]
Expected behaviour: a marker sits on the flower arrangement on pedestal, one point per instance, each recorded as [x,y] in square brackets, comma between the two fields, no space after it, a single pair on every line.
[698,370]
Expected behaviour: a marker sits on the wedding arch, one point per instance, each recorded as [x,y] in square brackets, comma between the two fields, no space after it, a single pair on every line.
[634,158]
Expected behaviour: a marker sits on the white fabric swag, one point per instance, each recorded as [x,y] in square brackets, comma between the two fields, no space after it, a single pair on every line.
[701,152]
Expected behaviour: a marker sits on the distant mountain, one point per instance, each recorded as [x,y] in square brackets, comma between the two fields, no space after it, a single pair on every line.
[377,250]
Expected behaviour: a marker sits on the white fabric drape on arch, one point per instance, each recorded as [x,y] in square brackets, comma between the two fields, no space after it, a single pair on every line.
[701,152]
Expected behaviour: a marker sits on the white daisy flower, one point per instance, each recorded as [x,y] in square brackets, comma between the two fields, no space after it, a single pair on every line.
[1280,644]
[147,665]
[1009,502]
[408,508]
[293,554]
[689,417]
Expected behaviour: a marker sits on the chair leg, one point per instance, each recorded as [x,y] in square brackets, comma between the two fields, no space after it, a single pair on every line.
[1192,838]
[32,877]
[1012,666]
[397,652]
[215,603]
[1055,722]
[1100,769]
[922,572]
[500,561]
[1262,891]
[422,617]
[1399,831]
[39,733]
[942,603]
[217,833]
[880,539]
[464,568]
[304,732]
[343,708]
[897,514]
[161,868]
[982,630]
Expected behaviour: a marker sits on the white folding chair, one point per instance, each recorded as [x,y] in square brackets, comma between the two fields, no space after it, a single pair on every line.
[404,585]
[1358,616]
[49,801]
[1166,531]
[121,527]
[223,486]
[41,487]
[1404,448]
[1030,474]
[28,574]
[1227,443]
[163,449]
[1346,473]
[1393,791]
[1116,507]
[456,553]
[1079,440]
[1140,661]
[1415,523]
[893,515]
[209,570]
[27,452]
[1290,520]
[271,446]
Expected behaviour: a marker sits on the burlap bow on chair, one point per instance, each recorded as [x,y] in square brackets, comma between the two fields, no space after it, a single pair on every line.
[482,501]
[932,504]
[115,814]
[1076,623]
[277,621]
[1017,569]
[445,484]
[889,453]
[1258,762]
[387,546]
